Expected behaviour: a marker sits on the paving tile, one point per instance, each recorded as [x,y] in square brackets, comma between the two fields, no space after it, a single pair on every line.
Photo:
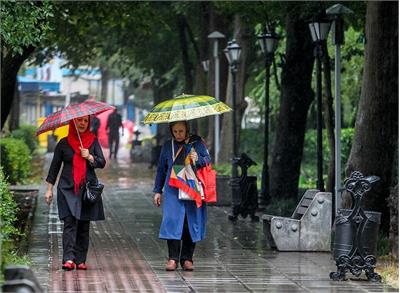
[125,254]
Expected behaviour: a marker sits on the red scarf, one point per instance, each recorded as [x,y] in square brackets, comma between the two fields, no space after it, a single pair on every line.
[79,163]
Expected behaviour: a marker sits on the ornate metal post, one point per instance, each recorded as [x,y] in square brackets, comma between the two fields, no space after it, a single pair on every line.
[356,233]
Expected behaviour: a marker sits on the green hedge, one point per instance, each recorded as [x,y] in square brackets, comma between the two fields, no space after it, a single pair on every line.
[8,212]
[8,209]
[15,159]
[27,134]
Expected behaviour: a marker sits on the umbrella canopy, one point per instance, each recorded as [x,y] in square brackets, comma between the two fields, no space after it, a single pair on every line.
[185,107]
[63,116]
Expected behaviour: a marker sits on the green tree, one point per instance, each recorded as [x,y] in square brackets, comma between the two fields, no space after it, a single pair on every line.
[23,27]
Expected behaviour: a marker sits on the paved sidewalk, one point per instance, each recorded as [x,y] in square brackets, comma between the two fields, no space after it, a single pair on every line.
[125,254]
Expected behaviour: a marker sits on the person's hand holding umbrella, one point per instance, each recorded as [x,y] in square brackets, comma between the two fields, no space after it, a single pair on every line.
[86,155]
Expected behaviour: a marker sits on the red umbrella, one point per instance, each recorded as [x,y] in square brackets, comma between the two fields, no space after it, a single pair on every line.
[63,116]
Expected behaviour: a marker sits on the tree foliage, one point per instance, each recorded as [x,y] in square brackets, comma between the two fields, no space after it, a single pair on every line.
[23,24]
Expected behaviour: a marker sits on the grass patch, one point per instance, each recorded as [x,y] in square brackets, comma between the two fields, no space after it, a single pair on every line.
[388,267]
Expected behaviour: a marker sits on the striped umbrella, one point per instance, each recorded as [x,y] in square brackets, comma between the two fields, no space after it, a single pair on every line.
[185,107]
[63,116]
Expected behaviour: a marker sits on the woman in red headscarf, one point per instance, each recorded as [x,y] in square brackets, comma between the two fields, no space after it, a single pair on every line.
[79,161]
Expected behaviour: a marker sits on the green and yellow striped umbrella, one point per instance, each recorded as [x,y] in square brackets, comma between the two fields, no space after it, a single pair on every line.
[185,107]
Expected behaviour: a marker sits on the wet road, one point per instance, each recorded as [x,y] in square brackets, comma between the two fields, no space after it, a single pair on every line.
[125,254]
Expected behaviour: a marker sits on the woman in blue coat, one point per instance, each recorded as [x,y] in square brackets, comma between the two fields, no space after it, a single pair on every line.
[183,222]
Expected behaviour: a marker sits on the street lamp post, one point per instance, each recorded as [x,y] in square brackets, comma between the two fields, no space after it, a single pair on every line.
[268,42]
[232,53]
[215,36]
[337,11]
[319,31]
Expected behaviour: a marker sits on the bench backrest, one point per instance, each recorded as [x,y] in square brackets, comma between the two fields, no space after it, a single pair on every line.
[304,203]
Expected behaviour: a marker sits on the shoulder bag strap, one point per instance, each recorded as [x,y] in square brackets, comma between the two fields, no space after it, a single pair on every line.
[173,151]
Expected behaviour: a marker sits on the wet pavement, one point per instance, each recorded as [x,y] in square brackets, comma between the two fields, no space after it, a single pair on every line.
[125,254]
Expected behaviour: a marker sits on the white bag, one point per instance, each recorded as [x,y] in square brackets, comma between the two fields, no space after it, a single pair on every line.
[184,196]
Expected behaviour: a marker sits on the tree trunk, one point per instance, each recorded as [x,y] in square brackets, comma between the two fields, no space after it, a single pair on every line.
[186,63]
[241,34]
[296,97]
[15,110]
[200,87]
[9,70]
[394,220]
[161,93]
[328,119]
[105,77]
[376,129]
[200,81]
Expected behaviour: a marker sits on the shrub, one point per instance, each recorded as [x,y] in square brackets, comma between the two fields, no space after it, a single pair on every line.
[308,173]
[8,212]
[8,209]
[27,134]
[15,159]
[223,169]
[252,143]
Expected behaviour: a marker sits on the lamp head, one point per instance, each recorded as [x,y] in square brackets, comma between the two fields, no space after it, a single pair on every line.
[268,42]
[319,28]
[232,52]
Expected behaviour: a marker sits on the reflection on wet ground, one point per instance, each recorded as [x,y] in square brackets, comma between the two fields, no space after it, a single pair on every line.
[126,255]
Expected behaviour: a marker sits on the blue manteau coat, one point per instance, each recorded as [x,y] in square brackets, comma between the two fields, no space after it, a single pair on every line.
[174,210]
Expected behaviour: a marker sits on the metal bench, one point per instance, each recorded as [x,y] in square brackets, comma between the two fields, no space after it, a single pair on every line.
[309,227]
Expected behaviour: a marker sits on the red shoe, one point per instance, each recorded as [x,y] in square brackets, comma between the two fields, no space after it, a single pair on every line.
[81,266]
[69,265]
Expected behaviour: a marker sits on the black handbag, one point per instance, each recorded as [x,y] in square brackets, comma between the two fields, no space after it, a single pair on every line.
[92,192]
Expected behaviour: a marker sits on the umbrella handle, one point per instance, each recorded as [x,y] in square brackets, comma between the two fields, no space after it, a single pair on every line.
[77,131]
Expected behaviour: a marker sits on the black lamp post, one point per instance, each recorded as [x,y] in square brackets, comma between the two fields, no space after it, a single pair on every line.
[319,31]
[268,43]
[232,53]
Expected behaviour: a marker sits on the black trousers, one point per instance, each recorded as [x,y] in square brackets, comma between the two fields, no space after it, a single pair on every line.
[113,143]
[75,239]
[181,250]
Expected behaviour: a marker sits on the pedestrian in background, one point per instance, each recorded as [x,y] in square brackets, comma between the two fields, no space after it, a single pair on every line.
[79,165]
[114,122]
[183,223]
[95,125]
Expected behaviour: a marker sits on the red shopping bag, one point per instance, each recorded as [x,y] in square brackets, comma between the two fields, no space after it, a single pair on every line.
[208,178]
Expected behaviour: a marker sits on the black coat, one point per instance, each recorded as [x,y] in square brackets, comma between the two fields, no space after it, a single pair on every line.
[69,203]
